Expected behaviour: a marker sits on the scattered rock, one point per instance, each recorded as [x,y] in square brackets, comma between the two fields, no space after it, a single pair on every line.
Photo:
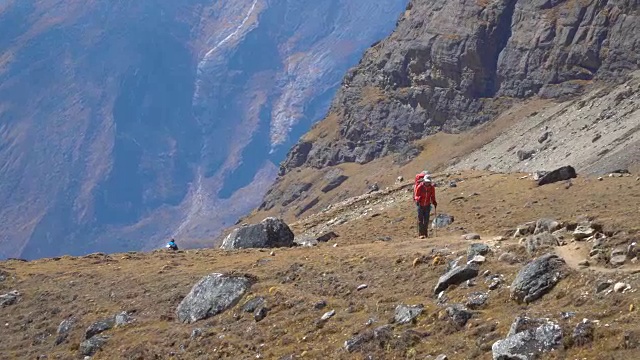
[528,339]
[196,333]
[99,327]
[442,220]
[270,233]
[618,260]
[584,263]
[356,342]
[253,304]
[459,315]
[9,298]
[495,283]
[544,137]
[583,333]
[547,225]
[212,295]
[320,305]
[327,236]
[525,154]
[455,276]
[478,259]
[123,318]
[373,188]
[90,346]
[63,330]
[567,314]
[525,229]
[537,278]
[476,300]
[621,287]
[405,314]
[561,174]
[471,237]
[541,241]
[509,258]
[362,287]
[477,249]
[453,184]
[328,315]
[260,313]
[582,232]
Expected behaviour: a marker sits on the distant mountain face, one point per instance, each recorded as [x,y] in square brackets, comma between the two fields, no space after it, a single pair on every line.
[125,122]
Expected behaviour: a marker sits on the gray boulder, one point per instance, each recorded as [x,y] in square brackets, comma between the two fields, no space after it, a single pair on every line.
[458,315]
[405,314]
[123,318]
[270,233]
[441,221]
[99,327]
[477,249]
[561,174]
[537,278]
[476,300]
[90,346]
[9,298]
[528,339]
[547,225]
[253,304]
[63,330]
[455,276]
[212,295]
[541,241]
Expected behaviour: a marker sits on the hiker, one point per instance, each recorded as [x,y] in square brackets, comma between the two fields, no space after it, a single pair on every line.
[172,245]
[424,196]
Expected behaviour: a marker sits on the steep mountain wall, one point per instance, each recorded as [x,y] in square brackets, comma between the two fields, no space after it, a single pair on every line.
[125,122]
[450,65]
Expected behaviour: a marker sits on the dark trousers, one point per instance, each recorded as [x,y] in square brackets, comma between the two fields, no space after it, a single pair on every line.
[423,219]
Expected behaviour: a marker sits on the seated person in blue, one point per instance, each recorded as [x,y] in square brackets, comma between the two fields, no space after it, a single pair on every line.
[172,245]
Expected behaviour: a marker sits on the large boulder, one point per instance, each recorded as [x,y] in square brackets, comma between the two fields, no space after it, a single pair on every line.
[528,339]
[537,278]
[457,275]
[561,174]
[270,233]
[212,295]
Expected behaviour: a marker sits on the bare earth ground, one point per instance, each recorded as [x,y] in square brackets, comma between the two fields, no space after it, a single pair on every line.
[152,284]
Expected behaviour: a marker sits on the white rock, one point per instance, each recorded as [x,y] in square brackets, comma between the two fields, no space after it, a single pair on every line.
[621,287]
[478,259]
[362,287]
[328,315]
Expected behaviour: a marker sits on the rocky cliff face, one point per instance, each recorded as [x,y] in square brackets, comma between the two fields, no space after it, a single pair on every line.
[451,65]
[122,123]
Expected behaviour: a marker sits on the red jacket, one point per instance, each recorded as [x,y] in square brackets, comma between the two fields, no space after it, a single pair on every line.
[425,195]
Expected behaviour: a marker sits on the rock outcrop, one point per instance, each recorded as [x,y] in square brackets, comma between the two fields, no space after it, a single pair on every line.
[450,65]
[270,233]
[212,295]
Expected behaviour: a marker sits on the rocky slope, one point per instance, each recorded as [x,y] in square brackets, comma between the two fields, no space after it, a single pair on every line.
[452,65]
[522,68]
[123,123]
[370,292]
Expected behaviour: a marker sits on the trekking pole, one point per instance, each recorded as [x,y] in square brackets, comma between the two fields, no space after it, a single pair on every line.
[435,219]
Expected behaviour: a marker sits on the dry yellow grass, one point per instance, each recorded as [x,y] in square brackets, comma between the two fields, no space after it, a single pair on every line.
[292,281]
